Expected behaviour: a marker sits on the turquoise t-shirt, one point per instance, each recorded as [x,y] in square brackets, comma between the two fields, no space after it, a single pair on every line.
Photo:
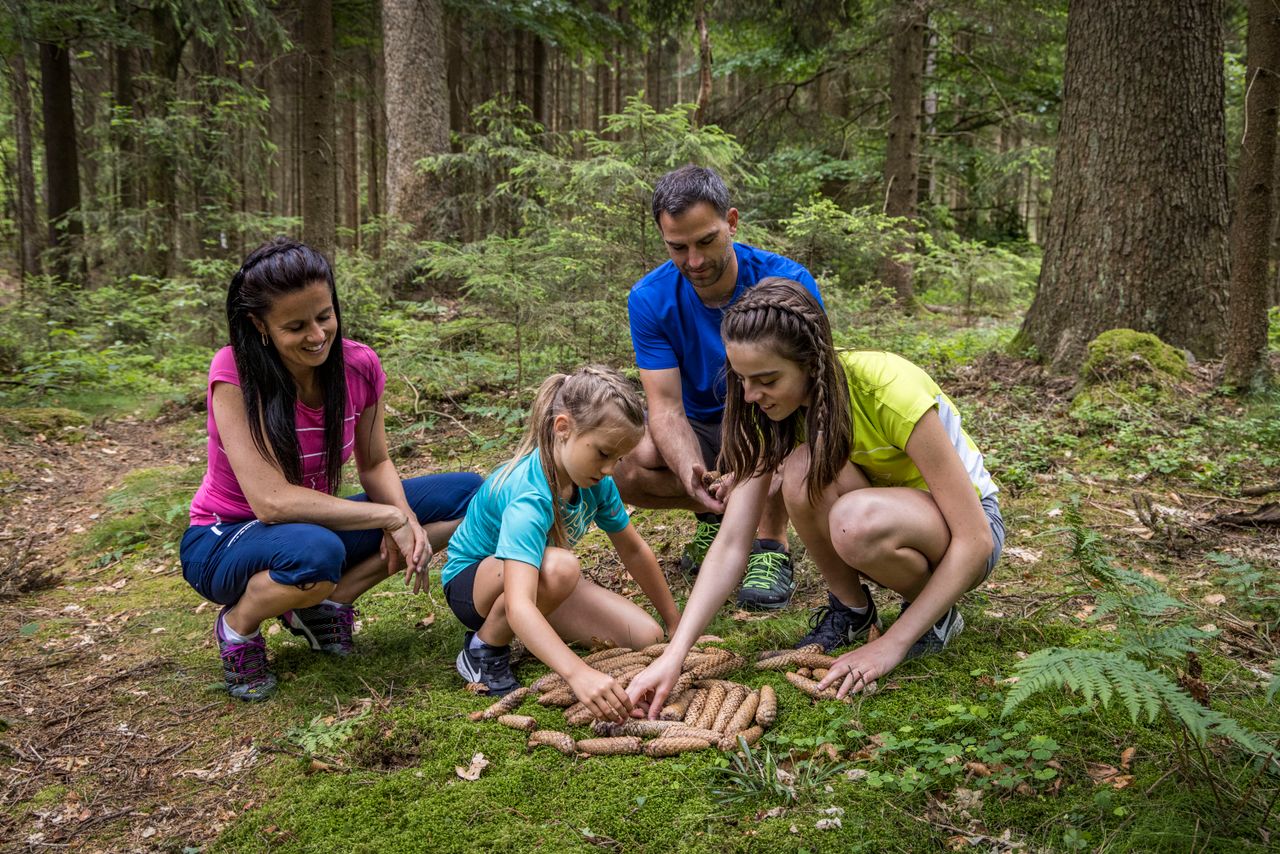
[512,520]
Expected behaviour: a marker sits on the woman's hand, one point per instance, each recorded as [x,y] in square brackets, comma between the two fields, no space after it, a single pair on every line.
[649,690]
[858,670]
[409,542]
[602,694]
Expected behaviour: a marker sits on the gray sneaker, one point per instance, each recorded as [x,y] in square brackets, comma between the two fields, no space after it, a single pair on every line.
[939,634]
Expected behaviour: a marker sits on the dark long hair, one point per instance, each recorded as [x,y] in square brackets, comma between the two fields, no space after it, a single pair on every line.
[781,314]
[274,269]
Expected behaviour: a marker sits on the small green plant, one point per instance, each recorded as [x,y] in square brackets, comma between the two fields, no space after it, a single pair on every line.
[1255,591]
[959,745]
[759,776]
[323,734]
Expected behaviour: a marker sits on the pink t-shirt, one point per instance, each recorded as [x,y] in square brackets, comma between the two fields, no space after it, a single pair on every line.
[219,498]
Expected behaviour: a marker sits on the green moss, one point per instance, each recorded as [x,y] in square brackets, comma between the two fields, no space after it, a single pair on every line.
[1132,357]
[49,420]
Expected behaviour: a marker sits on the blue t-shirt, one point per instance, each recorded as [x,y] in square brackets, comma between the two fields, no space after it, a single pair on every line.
[513,520]
[672,328]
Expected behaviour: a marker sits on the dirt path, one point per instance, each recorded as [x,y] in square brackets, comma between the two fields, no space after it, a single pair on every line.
[94,753]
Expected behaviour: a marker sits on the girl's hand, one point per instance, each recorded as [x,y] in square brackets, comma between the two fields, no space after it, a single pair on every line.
[858,670]
[651,687]
[602,694]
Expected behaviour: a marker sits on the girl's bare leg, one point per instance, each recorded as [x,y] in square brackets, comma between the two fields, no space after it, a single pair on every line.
[558,576]
[812,523]
[593,616]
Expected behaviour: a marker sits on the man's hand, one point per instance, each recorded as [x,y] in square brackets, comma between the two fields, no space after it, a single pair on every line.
[696,488]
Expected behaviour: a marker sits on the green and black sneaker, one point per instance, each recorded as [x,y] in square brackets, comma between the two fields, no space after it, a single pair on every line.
[695,551]
[770,578]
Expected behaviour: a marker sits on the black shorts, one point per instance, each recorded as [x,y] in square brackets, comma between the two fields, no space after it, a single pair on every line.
[459,593]
[709,441]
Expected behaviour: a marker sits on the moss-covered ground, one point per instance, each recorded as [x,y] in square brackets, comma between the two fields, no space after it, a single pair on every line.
[117,737]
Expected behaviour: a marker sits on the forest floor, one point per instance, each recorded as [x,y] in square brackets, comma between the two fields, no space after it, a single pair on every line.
[115,734]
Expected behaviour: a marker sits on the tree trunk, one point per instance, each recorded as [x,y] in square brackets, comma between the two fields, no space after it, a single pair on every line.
[1137,233]
[704,62]
[1254,222]
[319,165]
[350,171]
[125,160]
[418,111]
[902,158]
[457,109]
[538,81]
[161,171]
[62,168]
[28,231]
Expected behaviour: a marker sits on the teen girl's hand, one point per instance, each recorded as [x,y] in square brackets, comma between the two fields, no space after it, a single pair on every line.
[858,670]
[649,690]
[602,694]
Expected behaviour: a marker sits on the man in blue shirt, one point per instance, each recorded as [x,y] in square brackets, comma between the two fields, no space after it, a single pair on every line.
[675,314]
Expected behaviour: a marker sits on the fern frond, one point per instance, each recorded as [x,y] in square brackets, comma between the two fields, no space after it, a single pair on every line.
[1168,642]
[1145,693]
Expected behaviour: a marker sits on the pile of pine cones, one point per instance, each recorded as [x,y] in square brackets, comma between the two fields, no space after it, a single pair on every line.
[703,711]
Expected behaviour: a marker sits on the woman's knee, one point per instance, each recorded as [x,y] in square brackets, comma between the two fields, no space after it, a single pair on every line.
[559,573]
[861,525]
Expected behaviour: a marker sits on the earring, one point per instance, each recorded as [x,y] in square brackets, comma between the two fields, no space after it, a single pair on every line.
[265,342]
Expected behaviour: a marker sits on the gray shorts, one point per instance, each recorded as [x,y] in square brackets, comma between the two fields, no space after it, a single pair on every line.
[709,441]
[991,507]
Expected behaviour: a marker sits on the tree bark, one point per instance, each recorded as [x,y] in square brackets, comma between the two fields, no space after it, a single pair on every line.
[1137,233]
[125,98]
[902,158]
[1254,222]
[455,35]
[417,98]
[319,156]
[61,159]
[538,81]
[28,231]
[704,63]
[350,171]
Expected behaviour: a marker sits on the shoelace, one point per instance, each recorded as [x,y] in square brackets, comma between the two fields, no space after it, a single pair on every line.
[246,660]
[763,569]
[703,536]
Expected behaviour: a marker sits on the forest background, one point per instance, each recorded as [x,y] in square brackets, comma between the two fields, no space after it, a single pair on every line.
[992,189]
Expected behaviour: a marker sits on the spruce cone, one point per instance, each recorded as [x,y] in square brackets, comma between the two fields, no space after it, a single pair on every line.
[509,703]
[562,742]
[676,706]
[551,682]
[686,731]
[673,746]
[751,736]
[605,654]
[795,658]
[626,745]
[715,697]
[694,708]
[523,722]
[810,687]
[733,699]
[562,697]
[767,710]
[744,715]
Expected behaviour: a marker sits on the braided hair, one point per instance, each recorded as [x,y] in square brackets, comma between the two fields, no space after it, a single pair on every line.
[274,269]
[594,396]
[781,314]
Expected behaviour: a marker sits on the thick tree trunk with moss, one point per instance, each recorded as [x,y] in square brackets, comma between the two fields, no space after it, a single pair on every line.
[417,98]
[1254,222]
[902,153]
[61,160]
[319,151]
[1137,233]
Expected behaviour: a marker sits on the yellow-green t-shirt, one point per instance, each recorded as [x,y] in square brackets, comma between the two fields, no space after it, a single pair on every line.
[887,396]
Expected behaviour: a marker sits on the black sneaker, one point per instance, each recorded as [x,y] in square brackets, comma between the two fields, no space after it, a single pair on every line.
[835,624]
[325,627]
[488,665]
[770,578]
[939,634]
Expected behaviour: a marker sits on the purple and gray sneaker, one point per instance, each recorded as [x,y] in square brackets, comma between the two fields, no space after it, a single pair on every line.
[325,627]
[244,665]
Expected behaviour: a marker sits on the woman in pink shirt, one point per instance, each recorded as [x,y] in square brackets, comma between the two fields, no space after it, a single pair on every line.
[290,401]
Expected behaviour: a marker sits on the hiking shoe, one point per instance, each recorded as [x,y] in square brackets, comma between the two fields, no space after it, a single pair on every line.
[325,627]
[770,578]
[695,551]
[835,624]
[938,635]
[244,665]
[488,665]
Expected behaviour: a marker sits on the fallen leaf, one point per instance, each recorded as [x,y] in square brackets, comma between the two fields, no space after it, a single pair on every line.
[425,622]
[472,771]
[1214,599]
[855,774]
[773,812]
[873,633]
[978,768]
[476,688]
[828,824]
[1126,757]
[1022,555]
[148,832]
[1099,772]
